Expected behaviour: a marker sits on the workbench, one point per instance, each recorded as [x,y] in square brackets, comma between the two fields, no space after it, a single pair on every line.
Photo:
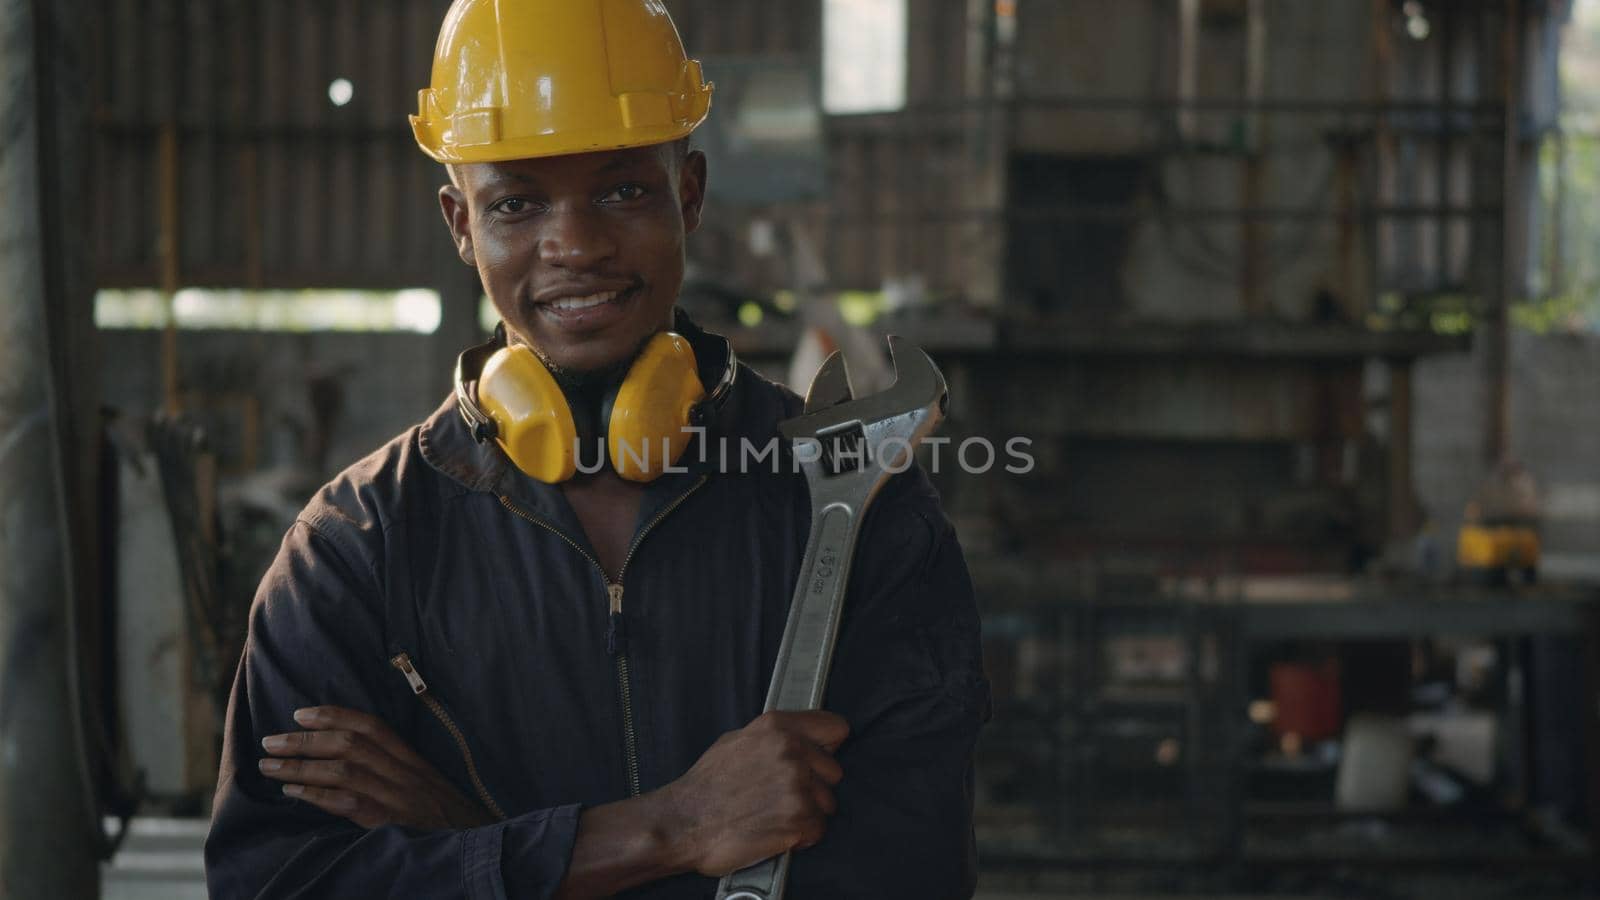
[1081,736]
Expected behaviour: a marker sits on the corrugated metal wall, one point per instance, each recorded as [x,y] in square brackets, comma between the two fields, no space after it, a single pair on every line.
[276,186]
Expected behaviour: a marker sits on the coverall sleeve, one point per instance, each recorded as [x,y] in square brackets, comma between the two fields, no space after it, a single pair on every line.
[316,638]
[908,675]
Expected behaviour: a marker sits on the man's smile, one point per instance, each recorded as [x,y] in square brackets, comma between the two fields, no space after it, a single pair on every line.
[589,302]
[580,310]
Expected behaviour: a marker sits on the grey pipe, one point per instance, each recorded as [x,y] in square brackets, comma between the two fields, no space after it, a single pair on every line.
[48,827]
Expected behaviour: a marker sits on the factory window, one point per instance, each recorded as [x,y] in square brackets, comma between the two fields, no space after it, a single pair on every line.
[414,310]
[863,56]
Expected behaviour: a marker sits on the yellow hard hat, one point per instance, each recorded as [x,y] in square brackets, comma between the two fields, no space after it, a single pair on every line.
[514,79]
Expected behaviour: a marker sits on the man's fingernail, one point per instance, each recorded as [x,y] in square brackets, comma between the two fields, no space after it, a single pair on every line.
[271,765]
[294,790]
[275,742]
[344,801]
[305,716]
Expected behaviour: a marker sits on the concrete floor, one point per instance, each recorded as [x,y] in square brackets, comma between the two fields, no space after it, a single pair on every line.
[161,860]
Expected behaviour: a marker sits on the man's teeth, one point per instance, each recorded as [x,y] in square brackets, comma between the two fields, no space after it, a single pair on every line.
[589,302]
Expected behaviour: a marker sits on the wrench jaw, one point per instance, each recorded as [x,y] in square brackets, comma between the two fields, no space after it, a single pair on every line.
[848,447]
[920,378]
[831,385]
[918,384]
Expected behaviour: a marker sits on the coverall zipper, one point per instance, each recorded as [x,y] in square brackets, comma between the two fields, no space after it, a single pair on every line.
[402,661]
[617,627]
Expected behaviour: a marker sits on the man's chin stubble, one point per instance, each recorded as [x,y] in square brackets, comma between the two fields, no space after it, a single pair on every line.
[572,380]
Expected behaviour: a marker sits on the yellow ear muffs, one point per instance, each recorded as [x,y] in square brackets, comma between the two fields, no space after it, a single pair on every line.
[533,423]
[649,424]
[646,418]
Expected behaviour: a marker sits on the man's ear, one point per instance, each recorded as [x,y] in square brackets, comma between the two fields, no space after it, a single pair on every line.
[453,203]
[692,188]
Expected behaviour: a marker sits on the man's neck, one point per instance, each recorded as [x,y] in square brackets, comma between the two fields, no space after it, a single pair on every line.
[607,506]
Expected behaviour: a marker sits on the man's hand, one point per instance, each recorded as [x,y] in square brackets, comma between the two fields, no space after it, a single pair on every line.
[759,791]
[353,765]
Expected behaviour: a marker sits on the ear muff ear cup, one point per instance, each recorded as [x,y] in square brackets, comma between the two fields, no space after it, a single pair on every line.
[646,418]
[533,422]
[648,428]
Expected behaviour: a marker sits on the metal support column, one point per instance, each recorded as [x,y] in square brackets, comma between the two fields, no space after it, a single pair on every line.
[49,833]
[1497,326]
[1402,493]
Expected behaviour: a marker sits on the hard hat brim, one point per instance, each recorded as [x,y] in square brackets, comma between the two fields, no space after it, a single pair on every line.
[434,144]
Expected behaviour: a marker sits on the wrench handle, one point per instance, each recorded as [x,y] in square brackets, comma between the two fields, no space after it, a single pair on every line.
[763,881]
[801,673]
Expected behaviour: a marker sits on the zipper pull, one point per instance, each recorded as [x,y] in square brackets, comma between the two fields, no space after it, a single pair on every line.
[617,634]
[616,626]
[402,661]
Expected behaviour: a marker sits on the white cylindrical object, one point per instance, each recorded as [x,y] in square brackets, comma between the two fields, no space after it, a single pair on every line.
[1375,768]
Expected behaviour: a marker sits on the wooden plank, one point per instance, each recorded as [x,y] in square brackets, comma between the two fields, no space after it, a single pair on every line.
[344,215]
[387,95]
[125,89]
[198,87]
[420,175]
[157,32]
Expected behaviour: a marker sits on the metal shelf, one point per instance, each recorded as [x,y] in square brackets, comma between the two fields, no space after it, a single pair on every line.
[960,335]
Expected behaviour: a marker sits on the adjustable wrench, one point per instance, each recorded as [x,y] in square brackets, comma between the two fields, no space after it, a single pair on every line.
[847,449]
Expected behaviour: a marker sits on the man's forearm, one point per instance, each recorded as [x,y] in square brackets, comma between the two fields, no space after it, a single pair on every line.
[755,793]
[622,845]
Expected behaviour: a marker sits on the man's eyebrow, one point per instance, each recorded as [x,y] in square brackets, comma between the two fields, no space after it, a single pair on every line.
[496,175]
[616,163]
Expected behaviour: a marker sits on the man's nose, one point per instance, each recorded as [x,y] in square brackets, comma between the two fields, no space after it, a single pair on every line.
[574,238]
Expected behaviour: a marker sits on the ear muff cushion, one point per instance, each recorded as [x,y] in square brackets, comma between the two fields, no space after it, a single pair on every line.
[530,413]
[649,422]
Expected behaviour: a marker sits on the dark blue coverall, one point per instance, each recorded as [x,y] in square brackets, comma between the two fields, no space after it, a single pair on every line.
[436,547]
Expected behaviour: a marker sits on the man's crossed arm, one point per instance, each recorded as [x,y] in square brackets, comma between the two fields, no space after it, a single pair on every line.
[757,792]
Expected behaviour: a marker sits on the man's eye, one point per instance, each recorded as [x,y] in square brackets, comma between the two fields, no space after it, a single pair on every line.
[512,206]
[625,193]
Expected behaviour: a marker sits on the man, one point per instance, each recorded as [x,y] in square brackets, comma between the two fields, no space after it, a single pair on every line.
[462,681]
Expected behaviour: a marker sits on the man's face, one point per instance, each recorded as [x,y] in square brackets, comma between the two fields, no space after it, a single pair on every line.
[581,255]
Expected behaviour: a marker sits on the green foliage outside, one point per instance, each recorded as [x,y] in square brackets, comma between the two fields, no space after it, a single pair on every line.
[1567,277]
[1564,282]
